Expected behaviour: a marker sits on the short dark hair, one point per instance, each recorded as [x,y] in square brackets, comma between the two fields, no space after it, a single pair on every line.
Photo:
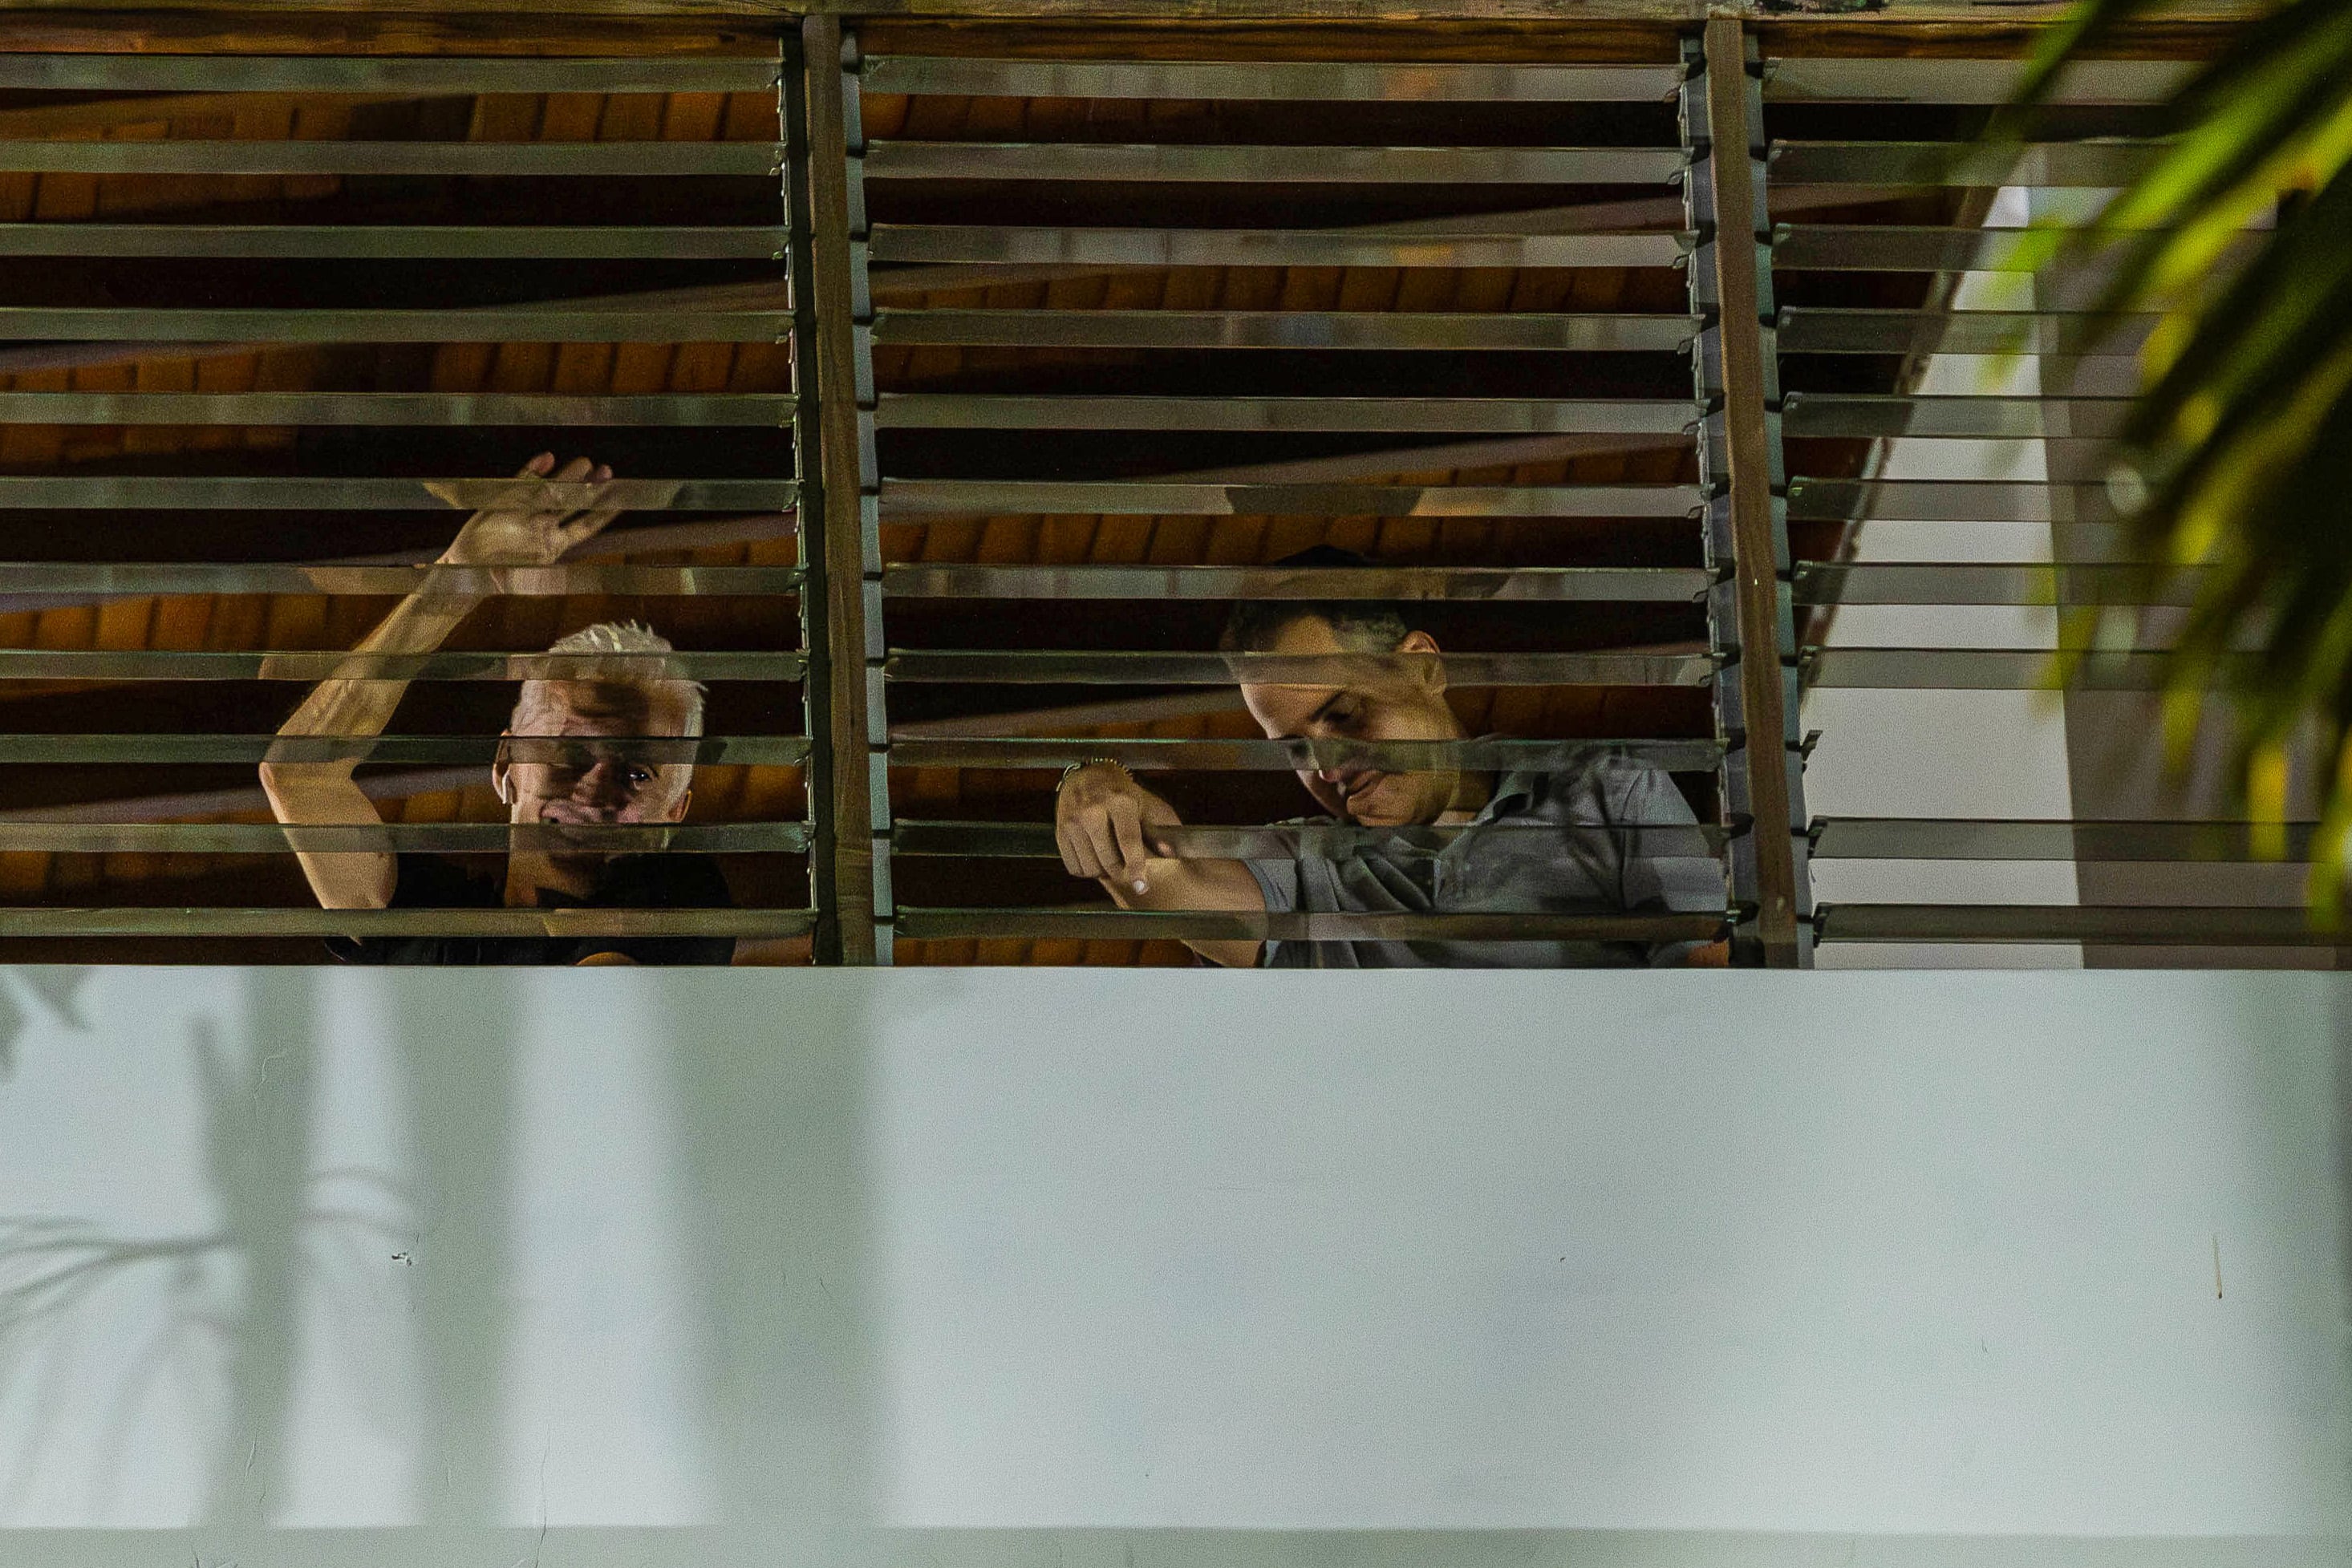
[1367,625]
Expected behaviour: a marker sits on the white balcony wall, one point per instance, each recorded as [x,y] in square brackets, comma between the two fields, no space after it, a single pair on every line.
[474,1268]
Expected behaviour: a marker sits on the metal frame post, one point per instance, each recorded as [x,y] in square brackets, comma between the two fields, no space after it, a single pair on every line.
[1734,366]
[825,311]
[869,503]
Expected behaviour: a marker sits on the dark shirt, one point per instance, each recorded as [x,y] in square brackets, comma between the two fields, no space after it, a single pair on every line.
[1546,843]
[629,881]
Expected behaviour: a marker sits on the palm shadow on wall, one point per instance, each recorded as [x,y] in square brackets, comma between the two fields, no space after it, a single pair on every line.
[221,1312]
[769,1109]
[217,1311]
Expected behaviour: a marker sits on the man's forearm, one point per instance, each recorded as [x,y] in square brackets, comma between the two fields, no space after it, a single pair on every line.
[1107,826]
[322,793]
[1211,886]
[419,623]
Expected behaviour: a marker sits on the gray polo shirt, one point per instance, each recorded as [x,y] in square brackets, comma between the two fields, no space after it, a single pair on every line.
[1581,868]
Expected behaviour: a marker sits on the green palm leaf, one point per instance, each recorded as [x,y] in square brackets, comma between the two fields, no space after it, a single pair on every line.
[2237,458]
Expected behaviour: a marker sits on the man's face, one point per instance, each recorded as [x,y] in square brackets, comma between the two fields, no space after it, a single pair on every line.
[590,779]
[1389,699]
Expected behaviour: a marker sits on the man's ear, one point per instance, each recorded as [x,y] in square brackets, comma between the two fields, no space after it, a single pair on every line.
[1432,672]
[501,764]
[685,798]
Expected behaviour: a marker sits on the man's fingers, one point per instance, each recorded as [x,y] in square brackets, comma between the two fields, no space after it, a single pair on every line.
[578,531]
[1079,853]
[1086,858]
[1102,842]
[516,497]
[545,507]
[1069,858]
[1126,826]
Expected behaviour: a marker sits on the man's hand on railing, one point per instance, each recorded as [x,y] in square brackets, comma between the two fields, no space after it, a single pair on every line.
[1106,825]
[1103,820]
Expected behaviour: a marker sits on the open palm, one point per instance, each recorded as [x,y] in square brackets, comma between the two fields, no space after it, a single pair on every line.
[535,527]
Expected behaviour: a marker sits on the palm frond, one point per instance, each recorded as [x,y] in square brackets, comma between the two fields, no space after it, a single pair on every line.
[2237,456]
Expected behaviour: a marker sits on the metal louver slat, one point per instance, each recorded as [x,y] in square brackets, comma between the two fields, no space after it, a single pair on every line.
[1107,246]
[423,241]
[558,322]
[1842,79]
[1484,585]
[310,666]
[1967,582]
[1868,247]
[1951,500]
[1304,165]
[475,157]
[1816,330]
[1029,666]
[1156,755]
[399,838]
[1271,79]
[2128,925]
[128,921]
[1982,669]
[121,578]
[1035,840]
[387,408]
[372,73]
[1524,926]
[1990,417]
[901,498]
[310,493]
[732,751]
[1285,330]
[2095,164]
[1470,416]
[1931,838]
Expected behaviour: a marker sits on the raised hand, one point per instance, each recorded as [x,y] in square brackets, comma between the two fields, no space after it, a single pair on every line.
[529,528]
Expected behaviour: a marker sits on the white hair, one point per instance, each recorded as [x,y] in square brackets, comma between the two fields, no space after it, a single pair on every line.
[631,640]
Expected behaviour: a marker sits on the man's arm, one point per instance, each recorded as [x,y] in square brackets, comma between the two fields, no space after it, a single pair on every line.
[1104,821]
[325,794]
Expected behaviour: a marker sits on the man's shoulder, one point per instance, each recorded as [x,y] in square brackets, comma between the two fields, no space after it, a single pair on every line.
[1606,785]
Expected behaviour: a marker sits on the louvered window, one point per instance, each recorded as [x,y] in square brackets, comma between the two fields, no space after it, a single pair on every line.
[1144,321]
[1644,366]
[1948,411]
[279,325]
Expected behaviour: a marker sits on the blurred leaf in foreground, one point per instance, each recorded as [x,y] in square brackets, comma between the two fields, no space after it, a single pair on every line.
[2237,456]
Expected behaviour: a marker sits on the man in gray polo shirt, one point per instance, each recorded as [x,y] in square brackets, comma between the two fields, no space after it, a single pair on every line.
[1611,836]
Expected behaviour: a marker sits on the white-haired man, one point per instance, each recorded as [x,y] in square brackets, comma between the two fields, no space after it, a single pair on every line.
[573,757]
